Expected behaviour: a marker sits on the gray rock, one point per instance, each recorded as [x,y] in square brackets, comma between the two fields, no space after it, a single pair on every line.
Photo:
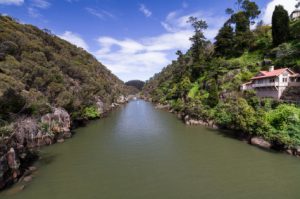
[58,122]
[32,168]
[60,141]
[260,142]
[289,151]
[67,135]
[27,179]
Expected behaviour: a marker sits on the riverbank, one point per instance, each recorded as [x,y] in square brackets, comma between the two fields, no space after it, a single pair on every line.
[141,152]
[20,150]
[252,139]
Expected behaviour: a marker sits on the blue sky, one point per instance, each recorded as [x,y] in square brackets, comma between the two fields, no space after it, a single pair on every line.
[133,38]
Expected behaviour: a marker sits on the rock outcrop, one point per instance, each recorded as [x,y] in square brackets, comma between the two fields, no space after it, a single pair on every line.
[260,142]
[17,152]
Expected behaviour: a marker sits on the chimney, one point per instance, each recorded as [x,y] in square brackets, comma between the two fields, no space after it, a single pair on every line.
[271,68]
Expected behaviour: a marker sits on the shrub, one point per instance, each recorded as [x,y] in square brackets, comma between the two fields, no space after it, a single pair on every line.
[90,112]
[11,102]
[285,122]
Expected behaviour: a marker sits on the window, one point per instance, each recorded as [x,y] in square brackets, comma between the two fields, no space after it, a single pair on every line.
[285,79]
[272,80]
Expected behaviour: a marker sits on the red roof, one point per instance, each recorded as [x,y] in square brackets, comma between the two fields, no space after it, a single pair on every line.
[274,73]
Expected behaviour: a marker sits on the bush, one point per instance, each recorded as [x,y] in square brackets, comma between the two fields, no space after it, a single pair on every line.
[222,117]
[11,103]
[285,123]
[90,112]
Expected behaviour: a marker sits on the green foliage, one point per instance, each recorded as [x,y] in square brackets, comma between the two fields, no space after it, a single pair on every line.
[280,25]
[194,91]
[49,71]
[11,103]
[222,117]
[225,41]
[207,86]
[198,39]
[295,30]
[263,38]
[90,112]
[213,97]
[285,122]
[285,55]
[6,130]
[136,83]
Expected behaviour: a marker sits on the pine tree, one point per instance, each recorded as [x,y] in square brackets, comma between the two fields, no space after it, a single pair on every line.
[280,25]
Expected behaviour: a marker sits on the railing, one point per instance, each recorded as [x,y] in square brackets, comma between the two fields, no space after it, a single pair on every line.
[295,84]
[273,84]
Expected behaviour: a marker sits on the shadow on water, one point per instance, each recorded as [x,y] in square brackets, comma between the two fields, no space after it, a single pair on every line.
[47,158]
[237,135]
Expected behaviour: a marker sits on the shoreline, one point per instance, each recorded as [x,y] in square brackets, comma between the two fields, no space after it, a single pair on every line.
[252,140]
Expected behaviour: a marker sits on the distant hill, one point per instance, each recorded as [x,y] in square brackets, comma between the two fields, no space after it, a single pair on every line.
[136,83]
[42,69]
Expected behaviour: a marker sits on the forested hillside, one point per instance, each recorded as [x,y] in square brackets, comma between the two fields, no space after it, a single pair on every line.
[136,83]
[204,83]
[45,84]
[38,70]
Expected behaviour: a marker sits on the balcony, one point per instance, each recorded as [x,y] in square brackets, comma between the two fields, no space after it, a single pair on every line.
[271,84]
[294,84]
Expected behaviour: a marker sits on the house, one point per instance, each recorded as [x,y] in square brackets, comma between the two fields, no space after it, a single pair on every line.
[273,83]
[295,15]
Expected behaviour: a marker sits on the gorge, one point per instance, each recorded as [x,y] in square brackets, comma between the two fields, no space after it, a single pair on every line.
[141,152]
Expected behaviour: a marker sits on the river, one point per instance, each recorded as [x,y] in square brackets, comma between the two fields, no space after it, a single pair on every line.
[139,152]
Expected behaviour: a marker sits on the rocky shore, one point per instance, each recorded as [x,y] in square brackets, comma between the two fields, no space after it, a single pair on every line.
[19,151]
[250,139]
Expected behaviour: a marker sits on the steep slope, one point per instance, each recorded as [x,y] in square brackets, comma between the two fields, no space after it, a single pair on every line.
[203,85]
[45,69]
[45,84]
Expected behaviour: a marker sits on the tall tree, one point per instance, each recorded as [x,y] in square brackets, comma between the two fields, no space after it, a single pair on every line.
[247,11]
[198,39]
[242,17]
[280,25]
[224,41]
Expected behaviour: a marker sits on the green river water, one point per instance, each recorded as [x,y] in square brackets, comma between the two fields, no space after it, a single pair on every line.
[139,152]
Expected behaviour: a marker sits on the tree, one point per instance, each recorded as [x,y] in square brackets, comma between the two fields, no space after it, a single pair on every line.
[213,98]
[245,14]
[251,9]
[198,40]
[224,41]
[280,25]
[242,22]
[184,87]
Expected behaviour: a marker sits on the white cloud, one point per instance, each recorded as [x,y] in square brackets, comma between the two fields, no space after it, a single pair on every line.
[74,39]
[289,5]
[12,2]
[43,4]
[131,59]
[35,6]
[33,12]
[175,22]
[145,10]
[141,58]
[102,14]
